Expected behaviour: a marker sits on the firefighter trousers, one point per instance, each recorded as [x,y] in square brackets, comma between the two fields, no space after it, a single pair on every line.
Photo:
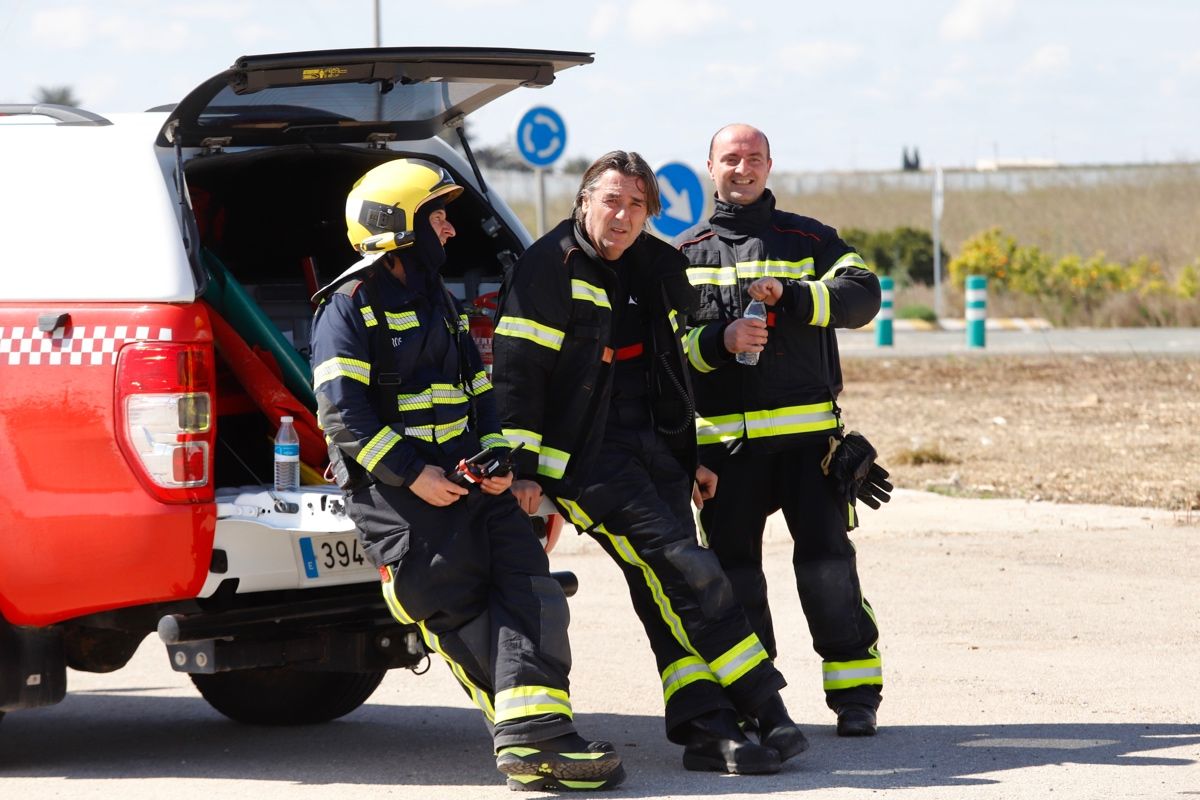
[751,487]
[474,579]
[639,510]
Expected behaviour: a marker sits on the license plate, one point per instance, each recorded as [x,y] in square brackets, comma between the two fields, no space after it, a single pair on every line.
[329,555]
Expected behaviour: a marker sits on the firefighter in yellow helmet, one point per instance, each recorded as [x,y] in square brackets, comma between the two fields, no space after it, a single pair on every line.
[402,397]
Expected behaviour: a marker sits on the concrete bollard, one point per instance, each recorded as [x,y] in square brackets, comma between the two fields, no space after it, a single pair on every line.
[883,320]
[976,311]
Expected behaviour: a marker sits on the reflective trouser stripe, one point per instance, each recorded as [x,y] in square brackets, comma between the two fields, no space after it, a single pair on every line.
[478,695]
[728,667]
[683,672]
[739,659]
[531,701]
[627,553]
[847,674]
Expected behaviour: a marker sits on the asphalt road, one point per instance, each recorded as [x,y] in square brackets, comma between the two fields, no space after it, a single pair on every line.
[1030,651]
[1056,341]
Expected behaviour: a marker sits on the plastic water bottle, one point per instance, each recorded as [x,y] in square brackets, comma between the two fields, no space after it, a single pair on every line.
[287,457]
[755,309]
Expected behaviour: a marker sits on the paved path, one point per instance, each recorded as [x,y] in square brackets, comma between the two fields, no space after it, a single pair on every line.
[1030,650]
[1057,341]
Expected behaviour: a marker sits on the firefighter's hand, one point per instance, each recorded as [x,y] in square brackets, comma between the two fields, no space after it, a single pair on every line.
[746,336]
[497,484]
[705,486]
[432,487]
[769,290]
[528,494]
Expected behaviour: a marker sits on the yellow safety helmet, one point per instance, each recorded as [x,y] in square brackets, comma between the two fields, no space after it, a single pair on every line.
[381,207]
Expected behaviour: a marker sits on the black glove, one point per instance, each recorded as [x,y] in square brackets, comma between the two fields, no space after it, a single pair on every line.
[850,463]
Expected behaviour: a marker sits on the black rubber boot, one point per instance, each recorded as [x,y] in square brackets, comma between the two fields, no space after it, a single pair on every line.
[777,731]
[715,743]
[856,720]
[569,763]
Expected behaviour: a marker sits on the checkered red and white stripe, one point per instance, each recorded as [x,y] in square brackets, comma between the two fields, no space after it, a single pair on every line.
[76,346]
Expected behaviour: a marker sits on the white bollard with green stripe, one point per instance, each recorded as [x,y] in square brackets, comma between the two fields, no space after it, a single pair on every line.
[883,320]
[976,311]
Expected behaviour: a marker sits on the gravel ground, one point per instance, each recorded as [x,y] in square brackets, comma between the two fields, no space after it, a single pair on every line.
[1118,430]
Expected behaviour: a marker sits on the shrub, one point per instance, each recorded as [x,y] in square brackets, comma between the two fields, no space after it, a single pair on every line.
[904,253]
[916,311]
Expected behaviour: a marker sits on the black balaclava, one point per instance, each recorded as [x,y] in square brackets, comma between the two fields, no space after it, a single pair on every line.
[425,258]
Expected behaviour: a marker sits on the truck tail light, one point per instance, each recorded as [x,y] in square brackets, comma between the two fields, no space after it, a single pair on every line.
[165,418]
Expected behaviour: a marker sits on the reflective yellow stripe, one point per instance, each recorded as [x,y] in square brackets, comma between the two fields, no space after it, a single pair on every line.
[552,463]
[532,440]
[685,671]
[480,697]
[582,290]
[350,368]
[791,419]
[844,263]
[494,440]
[377,448]
[402,321]
[533,331]
[368,315]
[739,659]
[848,674]
[437,433]
[673,318]
[627,553]
[464,323]
[691,346]
[436,394]
[531,701]
[750,271]
[820,298]
[480,383]
[714,430]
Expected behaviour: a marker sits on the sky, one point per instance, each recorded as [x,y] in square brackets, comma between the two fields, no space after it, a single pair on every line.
[836,86]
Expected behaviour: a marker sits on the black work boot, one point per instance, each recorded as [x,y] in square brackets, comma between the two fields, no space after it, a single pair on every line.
[777,731]
[716,743]
[856,720]
[567,762]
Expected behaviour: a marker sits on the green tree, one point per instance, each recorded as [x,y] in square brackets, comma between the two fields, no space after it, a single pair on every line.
[57,95]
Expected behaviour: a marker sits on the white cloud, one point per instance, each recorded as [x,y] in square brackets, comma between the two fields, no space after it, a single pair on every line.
[814,58]
[944,89]
[69,27]
[735,77]
[1050,59]
[656,19]
[603,20]
[972,19]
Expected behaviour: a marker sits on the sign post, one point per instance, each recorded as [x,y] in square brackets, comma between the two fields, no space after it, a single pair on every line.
[541,138]
[682,199]
[938,204]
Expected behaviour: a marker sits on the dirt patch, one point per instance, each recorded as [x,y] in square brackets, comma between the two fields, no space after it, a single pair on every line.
[1117,430]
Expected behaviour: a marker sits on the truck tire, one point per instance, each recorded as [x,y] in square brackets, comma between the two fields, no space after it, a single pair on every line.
[285,696]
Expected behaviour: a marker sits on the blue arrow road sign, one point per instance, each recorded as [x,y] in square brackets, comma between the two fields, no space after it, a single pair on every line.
[682,198]
[541,136]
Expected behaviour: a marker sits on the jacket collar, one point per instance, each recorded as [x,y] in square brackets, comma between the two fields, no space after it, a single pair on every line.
[730,219]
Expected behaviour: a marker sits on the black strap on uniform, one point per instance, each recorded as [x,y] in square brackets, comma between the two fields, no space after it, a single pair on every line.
[387,376]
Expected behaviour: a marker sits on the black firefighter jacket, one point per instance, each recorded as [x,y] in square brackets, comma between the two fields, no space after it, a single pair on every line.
[554,356]
[826,285]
